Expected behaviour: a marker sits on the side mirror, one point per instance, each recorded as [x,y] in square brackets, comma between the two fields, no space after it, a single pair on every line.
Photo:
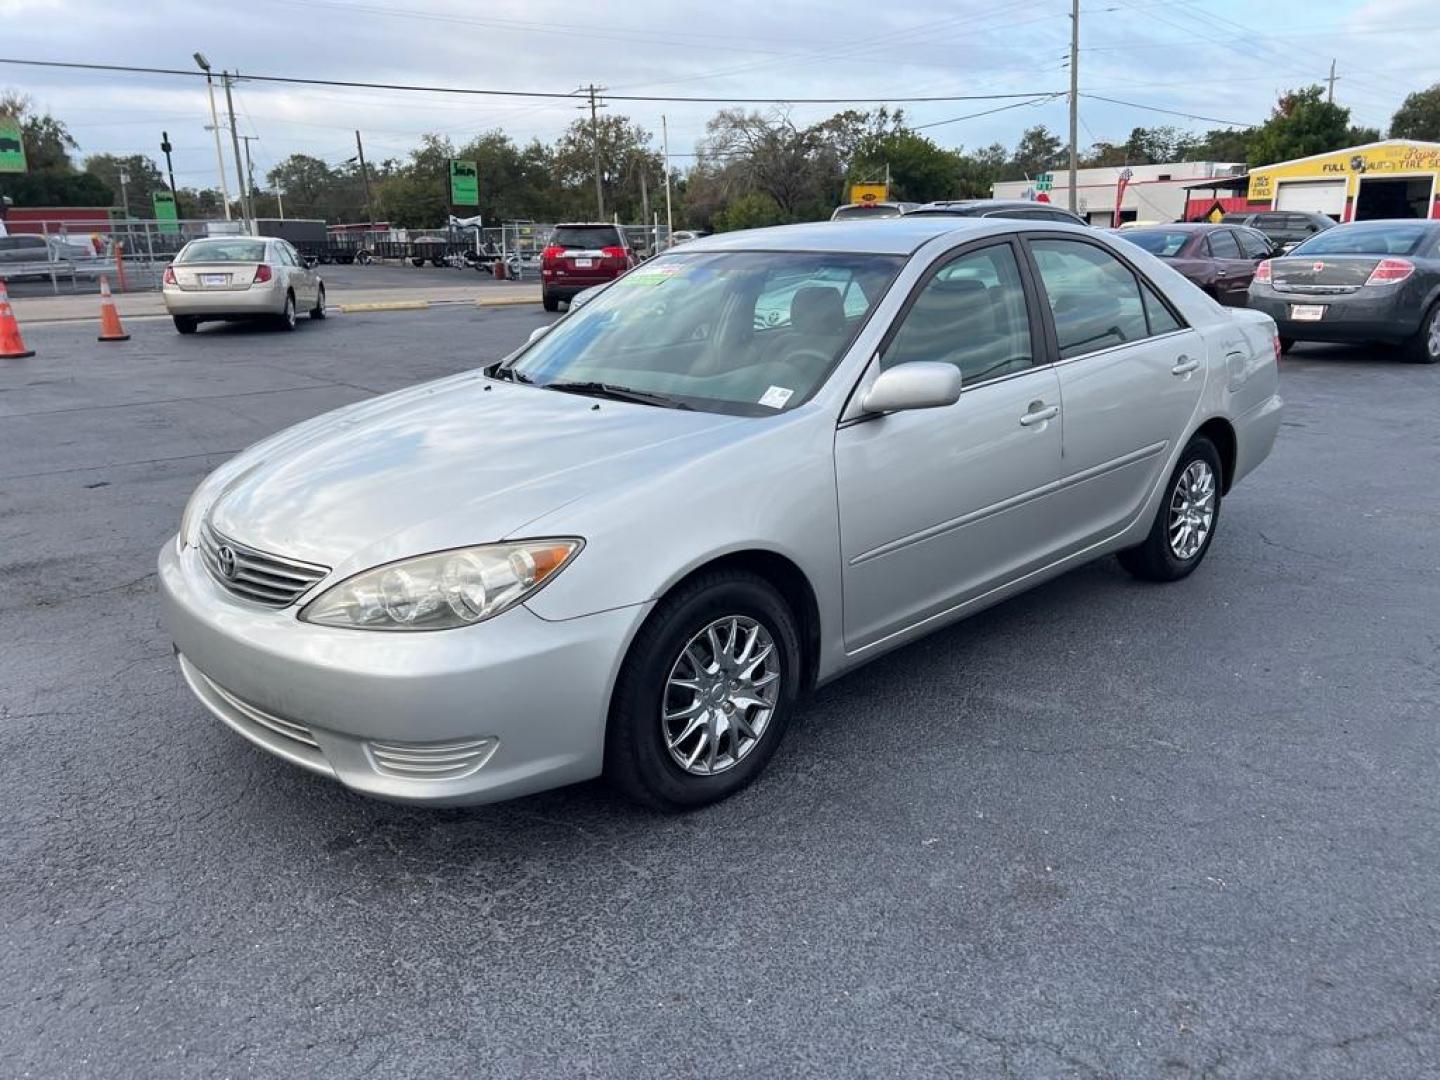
[920,384]
[538,333]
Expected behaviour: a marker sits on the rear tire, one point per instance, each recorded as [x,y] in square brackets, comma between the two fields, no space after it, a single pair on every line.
[417,263]
[286,319]
[1424,347]
[550,302]
[318,311]
[1186,520]
[186,324]
[640,759]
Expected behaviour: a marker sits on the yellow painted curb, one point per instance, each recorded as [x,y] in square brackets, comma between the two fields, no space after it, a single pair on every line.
[506,301]
[389,305]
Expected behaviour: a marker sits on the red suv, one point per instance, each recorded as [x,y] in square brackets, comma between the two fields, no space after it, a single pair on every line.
[579,256]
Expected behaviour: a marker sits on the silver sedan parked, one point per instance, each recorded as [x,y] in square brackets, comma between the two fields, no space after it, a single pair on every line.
[743,469]
[241,277]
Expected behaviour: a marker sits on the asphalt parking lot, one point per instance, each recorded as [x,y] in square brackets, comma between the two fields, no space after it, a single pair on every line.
[1104,830]
[392,274]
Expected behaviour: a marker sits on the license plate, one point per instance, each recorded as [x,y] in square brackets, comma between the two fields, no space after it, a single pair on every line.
[1307,312]
[584,264]
[214,279]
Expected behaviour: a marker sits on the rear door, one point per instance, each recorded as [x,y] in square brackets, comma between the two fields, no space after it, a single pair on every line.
[1131,375]
[1233,270]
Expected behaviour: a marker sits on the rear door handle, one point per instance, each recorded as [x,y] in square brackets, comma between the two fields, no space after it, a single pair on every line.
[1039,415]
[1184,366]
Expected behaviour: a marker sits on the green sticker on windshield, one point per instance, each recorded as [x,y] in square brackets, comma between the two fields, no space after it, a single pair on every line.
[645,279]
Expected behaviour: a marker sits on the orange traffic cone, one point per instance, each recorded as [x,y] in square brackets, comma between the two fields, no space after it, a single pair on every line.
[12,345]
[110,328]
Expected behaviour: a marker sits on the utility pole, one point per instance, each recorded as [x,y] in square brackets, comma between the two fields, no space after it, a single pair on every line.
[1074,98]
[669,218]
[645,208]
[246,211]
[249,165]
[1330,95]
[124,178]
[592,89]
[215,127]
[365,179]
[165,149]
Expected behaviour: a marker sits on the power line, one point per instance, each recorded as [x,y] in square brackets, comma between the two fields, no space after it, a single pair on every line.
[988,112]
[1169,112]
[474,91]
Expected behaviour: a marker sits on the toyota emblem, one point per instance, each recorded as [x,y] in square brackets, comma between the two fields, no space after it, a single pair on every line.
[1318,267]
[225,557]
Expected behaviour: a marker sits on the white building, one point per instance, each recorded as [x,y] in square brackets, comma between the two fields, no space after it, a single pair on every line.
[1154,193]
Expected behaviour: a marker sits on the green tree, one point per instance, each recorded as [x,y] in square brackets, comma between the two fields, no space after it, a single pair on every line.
[753,210]
[1302,124]
[1418,116]
[144,178]
[978,172]
[311,188]
[919,170]
[1223,144]
[1038,151]
[627,163]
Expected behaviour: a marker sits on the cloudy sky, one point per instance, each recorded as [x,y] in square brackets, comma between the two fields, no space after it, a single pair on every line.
[1221,59]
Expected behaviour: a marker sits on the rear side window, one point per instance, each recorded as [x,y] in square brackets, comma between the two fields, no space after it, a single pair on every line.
[1253,244]
[586,237]
[1157,314]
[972,314]
[1093,296]
[1223,245]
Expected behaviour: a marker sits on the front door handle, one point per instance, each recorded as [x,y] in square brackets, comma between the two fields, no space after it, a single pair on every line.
[1038,414]
[1184,366]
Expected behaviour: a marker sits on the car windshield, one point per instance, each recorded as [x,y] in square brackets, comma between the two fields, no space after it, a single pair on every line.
[205,251]
[1387,239]
[585,237]
[749,333]
[861,210]
[1160,242]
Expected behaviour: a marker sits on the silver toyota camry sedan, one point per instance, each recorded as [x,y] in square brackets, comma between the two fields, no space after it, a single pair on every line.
[745,468]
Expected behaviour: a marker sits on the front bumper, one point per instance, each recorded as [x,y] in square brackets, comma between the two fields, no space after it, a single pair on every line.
[1391,316]
[505,708]
[258,300]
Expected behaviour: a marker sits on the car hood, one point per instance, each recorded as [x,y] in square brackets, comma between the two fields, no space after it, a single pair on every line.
[465,460]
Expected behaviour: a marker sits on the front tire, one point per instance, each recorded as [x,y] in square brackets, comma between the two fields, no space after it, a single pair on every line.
[1286,344]
[705,693]
[1185,523]
[186,324]
[286,320]
[1424,347]
[318,311]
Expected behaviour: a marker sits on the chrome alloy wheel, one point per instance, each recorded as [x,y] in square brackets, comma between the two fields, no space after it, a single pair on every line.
[720,695]
[1192,510]
[1432,340]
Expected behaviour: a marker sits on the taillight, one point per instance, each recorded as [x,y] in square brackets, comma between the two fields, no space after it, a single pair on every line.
[1278,348]
[169,278]
[552,252]
[616,253]
[1262,273]
[1390,271]
[262,274]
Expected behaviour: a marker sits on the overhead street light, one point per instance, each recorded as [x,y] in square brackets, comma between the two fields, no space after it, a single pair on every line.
[204,66]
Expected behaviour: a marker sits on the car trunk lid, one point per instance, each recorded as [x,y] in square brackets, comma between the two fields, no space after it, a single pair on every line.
[1323,274]
[216,276]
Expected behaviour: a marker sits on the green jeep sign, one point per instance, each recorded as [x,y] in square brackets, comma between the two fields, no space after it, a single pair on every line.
[464,183]
[165,211]
[12,146]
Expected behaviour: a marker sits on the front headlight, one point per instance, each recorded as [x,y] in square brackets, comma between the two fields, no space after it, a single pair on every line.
[444,590]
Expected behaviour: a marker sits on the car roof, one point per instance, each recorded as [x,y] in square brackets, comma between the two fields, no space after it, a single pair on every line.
[886,236]
[1187,226]
[965,205]
[589,225]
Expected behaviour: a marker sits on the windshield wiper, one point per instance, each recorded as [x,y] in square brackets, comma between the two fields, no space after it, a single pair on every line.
[617,393]
[502,372]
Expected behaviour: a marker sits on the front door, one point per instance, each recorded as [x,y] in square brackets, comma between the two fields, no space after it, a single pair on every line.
[940,505]
[1131,376]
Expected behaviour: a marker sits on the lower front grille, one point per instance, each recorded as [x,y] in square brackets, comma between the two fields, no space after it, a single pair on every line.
[254,575]
[289,740]
[430,761]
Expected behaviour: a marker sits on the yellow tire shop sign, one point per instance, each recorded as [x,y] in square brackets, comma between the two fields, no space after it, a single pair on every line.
[1395,178]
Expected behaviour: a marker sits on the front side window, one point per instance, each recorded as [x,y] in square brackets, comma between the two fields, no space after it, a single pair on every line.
[972,314]
[1093,296]
[743,332]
